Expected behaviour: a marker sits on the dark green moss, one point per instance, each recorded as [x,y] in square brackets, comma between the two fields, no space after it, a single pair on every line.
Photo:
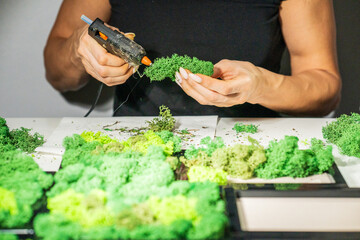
[18,138]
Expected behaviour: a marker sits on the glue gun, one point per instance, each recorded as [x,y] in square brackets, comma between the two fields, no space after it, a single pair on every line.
[117,43]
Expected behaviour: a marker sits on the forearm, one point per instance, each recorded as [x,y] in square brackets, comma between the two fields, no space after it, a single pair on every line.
[313,92]
[64,69]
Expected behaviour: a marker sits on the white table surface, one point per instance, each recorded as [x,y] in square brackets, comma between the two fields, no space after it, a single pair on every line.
[269,129]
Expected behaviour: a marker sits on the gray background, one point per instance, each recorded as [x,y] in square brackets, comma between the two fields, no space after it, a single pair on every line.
[24,91]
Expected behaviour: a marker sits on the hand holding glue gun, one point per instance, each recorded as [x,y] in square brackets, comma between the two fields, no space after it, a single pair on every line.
[108,55]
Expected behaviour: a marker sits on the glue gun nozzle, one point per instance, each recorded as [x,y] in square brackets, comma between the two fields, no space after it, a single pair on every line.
[146,61]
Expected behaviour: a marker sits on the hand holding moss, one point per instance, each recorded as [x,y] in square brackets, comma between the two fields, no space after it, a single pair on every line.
[239,83]
[166,67]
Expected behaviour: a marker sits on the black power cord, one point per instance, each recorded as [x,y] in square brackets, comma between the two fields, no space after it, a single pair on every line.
[98,97]
[96,100]
[127,98]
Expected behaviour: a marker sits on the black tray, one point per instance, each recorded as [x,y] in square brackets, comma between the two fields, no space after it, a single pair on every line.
[339,189]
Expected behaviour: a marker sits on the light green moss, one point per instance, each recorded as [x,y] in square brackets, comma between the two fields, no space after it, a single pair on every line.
[202,174]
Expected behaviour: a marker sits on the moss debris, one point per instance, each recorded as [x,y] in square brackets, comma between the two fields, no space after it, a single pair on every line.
[166,67]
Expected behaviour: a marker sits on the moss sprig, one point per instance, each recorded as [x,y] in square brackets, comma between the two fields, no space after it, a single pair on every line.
[165,121]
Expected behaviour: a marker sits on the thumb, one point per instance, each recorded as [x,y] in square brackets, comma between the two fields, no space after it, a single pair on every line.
[130,35]
[223,68]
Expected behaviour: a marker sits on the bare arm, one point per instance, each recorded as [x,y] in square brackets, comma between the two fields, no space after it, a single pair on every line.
[312,89]
[70,54]
[315,84]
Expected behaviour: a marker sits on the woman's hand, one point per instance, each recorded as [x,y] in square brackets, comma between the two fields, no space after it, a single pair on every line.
[105,67]
[239,82]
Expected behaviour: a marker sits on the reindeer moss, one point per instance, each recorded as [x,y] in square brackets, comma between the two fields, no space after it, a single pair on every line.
[167,66]
[237,161]
[18,138]
[345,133]
[130,196]
[284,158]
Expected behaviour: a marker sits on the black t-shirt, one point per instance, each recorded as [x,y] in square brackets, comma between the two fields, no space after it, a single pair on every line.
[245,30]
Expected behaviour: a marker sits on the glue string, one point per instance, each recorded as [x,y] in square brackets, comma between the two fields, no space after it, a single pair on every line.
[127,98]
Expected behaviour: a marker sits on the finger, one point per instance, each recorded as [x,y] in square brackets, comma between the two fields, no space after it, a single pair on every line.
[224,87]
[198,97]
[102,56]
[220,86]
[105,58]
[112,27]
[107,71]
[130,35]
[90,70]
[112,81]
[212,96]
[203,95]
[223,68]
[217,72]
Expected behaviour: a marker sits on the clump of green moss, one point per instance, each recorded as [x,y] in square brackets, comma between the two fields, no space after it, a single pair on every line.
[167,66]
[18,138]
[22,183]
[165,121]
[4,130]
[248,128]
[128,195]
[345,133]
[284,158]
[237,161]
[187,211]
